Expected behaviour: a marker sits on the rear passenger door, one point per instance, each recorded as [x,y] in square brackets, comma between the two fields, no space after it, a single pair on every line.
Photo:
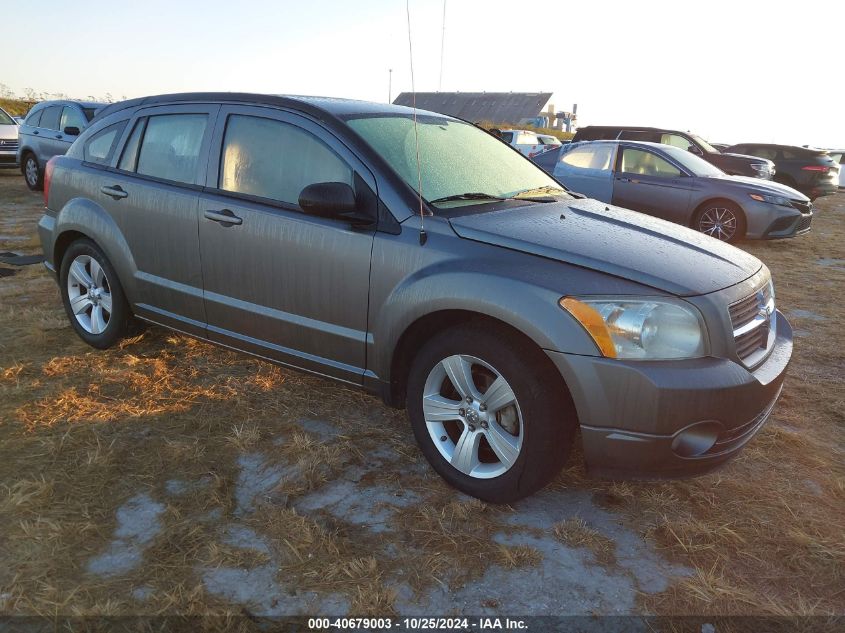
[153,195]
[587,169]
[49,139]
[279,282]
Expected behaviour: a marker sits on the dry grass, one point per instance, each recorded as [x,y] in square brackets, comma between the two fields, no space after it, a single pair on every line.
[82,431]
[576,533]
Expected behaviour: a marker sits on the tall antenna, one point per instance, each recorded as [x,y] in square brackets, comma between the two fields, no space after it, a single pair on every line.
[442,43]
[423,236]
[390,85]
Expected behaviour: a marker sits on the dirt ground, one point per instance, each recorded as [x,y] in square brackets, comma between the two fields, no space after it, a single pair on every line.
[168,476]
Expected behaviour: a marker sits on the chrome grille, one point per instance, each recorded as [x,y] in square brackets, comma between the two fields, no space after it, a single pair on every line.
[804,223]
[7,144]
[753,322]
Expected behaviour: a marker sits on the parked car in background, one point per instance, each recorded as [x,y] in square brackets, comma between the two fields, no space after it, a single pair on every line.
[49,130]
[838,155]
[730,163]
[548,139]
[8,140]
[527,142]
[811,171]
[519,315]
[672,184]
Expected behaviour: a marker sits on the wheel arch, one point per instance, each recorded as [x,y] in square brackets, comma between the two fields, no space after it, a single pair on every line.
[81,219]
[710,200]
[431,324]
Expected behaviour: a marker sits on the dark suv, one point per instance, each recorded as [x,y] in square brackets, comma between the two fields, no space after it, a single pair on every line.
[49,130]
[813,172]
[504,313]
[732,164]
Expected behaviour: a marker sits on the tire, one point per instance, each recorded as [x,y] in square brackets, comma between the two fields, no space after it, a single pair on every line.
[89,312]
[722,220]
[541,420]
[33,175]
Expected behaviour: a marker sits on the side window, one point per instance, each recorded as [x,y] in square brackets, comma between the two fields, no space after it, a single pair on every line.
[275,160]
[596,157]
[763,152]
[129,158]
[100,147]
[636,161]
[507,137]
[788,155]
[675,140]
[50,117]
[528,139]
[34,118]
[171,147]
[72,117]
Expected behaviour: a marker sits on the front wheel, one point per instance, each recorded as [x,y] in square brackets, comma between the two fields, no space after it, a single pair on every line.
[721,219]
[489,412]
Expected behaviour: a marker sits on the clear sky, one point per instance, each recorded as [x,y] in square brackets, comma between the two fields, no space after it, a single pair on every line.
[732,71]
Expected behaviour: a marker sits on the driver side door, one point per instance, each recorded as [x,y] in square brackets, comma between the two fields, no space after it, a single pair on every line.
[645,181]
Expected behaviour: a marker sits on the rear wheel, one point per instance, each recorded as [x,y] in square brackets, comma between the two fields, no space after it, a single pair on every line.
[721,219]
[92,295]
[489,412]
[31,171]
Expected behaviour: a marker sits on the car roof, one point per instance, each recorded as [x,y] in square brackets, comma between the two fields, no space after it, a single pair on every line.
[83,104]
[618,141]
[794,148]
[338,107]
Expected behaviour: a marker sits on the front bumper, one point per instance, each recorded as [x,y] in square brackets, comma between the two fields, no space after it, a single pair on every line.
[637,417]
[770,221]
[8,160]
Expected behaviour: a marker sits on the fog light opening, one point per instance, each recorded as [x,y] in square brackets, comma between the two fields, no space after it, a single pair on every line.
[697,439]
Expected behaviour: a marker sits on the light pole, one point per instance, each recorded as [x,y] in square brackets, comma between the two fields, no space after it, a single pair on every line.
[390,85]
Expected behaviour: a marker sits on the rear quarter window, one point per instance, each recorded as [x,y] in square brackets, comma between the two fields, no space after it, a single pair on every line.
[99,148]
[34,118]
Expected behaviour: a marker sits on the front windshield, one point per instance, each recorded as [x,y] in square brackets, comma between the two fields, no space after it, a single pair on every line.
[694,164]
[5,119]
[707,147]
[456,158]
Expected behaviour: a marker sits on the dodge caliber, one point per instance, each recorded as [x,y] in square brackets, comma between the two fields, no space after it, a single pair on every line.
[419,258]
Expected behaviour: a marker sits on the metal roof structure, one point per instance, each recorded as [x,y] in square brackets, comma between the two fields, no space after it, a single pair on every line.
[498,107]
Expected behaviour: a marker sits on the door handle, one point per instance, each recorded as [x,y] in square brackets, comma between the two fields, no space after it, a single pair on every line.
[620,179]
[225,217]
[35,132]
[115,192]
[58,136]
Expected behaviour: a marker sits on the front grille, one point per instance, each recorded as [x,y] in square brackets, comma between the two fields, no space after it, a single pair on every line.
[8,145]
[804,223]
[753,324]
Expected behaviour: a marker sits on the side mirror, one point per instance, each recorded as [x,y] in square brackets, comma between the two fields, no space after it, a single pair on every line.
[334,200]
[695,150]
[71,130]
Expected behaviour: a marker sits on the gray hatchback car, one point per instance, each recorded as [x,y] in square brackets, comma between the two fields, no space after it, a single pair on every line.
[48,130]
[470,288]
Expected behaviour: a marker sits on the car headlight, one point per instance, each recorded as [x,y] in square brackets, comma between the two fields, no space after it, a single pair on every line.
[772,199]
[649,329]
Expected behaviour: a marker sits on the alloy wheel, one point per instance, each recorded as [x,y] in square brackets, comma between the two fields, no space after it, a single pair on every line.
[31,171]
[89,294]
[718,222]
[472,416]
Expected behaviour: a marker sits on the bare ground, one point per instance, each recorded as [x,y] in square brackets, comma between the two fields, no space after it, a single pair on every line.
[168,476]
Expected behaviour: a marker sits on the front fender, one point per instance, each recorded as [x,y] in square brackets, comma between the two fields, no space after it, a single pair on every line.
[90,219]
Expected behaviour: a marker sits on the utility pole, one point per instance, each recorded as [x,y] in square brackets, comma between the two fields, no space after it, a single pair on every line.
[442,43]
[390,85]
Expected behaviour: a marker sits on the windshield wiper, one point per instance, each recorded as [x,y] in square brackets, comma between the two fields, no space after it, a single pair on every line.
[468,196]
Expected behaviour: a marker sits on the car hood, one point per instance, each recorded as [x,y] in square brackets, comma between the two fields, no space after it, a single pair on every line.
[9,132]
[758,185]
[616,241]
